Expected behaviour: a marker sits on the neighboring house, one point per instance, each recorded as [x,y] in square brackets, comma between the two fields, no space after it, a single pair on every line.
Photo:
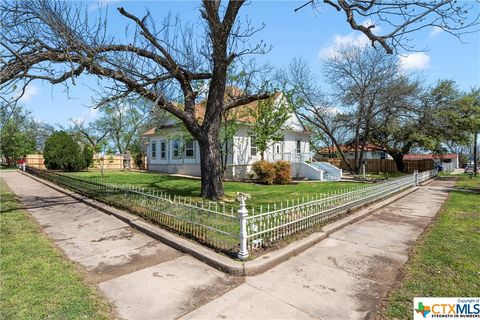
[370,152]
[170,151]
[448,162]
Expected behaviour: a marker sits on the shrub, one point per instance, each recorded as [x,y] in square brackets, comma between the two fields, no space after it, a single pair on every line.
[265,171]
[139,158]
[87,156]
[283,172]
[61,152]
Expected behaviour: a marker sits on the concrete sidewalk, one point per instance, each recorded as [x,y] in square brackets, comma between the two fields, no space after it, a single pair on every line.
[142,277]
[343,277]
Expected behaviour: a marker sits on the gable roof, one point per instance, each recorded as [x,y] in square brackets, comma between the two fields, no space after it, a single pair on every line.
[242,113]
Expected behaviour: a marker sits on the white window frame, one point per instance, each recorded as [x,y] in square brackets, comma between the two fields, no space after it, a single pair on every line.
[163,150]
[176,149]
[298,146]
[153,149]
[253,146]
[192,148]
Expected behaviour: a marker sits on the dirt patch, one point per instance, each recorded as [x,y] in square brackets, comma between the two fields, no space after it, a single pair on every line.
[417,221]
[104,272]
[382,269]
[203,295]
[368,300]
[127,234]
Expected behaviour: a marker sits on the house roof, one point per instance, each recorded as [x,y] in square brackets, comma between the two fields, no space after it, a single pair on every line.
[429,156]
[242,113]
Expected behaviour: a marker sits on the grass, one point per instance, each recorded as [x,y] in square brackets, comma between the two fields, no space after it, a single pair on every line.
[261,194]
[382,175]
[446,262]
[36,282]
[9,168]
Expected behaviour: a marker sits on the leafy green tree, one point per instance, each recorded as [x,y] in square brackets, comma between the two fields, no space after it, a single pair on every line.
[125,120]
[269,117]
[94,137]
[425,119]
[87,154]
[20,134]
[468,118]
[61,152]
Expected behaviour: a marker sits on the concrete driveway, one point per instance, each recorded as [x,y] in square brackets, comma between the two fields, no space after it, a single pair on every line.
[343,277]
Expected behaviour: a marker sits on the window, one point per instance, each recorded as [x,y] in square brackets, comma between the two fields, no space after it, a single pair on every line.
[299,146]
[253,146]
[153,149]
[176,149]
[190,149]
[278,148]
[163,150]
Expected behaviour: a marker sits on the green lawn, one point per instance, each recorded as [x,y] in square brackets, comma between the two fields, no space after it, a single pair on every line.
[446,262]
[261,194]
[382,175]
[36,282]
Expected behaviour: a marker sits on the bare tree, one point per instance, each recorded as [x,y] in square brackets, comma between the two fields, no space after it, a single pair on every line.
[360,76]
[390,23]
[311,104]
[162,62]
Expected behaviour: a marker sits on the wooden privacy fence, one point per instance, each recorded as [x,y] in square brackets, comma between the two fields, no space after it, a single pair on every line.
[35,160]
[110,162]
[379,165]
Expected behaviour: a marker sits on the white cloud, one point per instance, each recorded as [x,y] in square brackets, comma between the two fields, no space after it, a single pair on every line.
[30,91]
[435,31]
[84,117]
[356,39]
[414,61]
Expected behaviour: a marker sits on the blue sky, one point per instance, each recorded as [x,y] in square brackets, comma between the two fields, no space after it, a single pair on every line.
[305,34]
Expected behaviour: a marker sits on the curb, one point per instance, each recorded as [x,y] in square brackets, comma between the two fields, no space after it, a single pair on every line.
[219,261]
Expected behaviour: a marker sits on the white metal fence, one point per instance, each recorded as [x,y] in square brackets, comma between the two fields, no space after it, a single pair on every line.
[207,222]
[235,232]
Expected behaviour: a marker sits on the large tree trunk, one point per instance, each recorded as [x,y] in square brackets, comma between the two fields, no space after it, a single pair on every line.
[211,168]
[340,152]
[398,158]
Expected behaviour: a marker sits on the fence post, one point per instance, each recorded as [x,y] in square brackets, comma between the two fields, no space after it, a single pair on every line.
[242,215]
[415,172]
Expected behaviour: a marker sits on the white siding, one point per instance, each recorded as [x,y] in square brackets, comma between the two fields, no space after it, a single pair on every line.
[239,159]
